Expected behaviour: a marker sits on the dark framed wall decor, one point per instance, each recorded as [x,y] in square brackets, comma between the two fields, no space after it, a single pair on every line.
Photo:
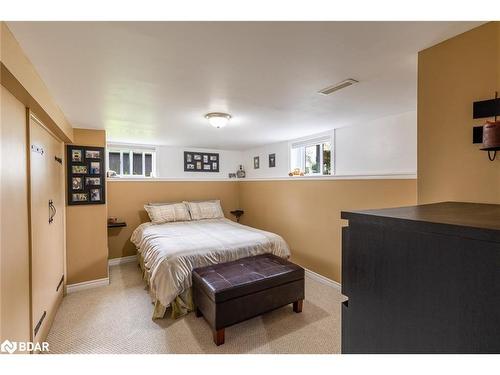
[201,162]
[256,162]
[272,160]
[86,175]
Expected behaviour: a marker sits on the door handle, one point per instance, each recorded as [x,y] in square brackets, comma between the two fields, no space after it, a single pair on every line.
[52,211]
[60,283]
[37,327]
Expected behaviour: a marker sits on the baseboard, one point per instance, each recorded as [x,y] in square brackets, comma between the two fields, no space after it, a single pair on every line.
[322,279]
[116,261]
[87,285]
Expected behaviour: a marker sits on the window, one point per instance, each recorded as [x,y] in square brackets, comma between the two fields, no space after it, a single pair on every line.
[130,161]
[313,157]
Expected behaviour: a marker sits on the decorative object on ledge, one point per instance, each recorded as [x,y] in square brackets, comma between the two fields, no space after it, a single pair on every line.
[296,172]
[237,214]
[201,161]
[489,133]
[240,173]
[85,175]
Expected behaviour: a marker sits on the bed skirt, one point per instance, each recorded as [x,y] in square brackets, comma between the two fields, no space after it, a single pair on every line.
[182,305]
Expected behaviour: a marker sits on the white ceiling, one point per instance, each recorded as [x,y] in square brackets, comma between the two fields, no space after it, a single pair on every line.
[152,82]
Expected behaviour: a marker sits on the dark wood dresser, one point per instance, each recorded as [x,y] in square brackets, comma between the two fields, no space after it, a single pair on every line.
[422,279]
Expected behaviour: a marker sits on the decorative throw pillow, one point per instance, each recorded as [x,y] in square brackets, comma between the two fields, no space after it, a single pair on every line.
[167,212]
[205,210]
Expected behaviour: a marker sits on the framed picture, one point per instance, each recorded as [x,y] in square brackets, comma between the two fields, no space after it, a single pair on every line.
[80,197]
[92,154]
[77,183]
[256,162]
[93,181]
[201,162]
[272,160]
[76,156]
[85,175]
[95,195]
[95,167]
[79,169]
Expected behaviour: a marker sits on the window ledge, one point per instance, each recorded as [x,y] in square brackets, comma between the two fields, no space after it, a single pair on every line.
[390,176]
[159,179]
[398,176]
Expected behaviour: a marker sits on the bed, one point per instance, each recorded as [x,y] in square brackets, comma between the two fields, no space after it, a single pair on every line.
[168,253]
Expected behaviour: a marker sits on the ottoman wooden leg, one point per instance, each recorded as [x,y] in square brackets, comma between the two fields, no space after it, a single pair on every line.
[219,337]
[297,306]
[198,313]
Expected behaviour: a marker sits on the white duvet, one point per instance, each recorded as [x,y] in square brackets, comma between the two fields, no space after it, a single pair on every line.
[171,251]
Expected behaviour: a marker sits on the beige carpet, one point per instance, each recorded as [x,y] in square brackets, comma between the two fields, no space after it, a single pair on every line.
[117,319]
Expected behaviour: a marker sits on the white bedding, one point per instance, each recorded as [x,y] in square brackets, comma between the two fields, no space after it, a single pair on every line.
[170,251]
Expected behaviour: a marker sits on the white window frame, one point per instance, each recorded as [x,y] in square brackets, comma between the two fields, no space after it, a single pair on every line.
[131,149]
[303,143]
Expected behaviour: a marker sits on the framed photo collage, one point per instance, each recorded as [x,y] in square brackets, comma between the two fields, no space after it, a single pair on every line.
[201,162]
[86,175]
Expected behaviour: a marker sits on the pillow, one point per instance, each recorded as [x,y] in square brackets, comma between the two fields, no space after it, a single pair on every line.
[162,203]
[205,210]
[167,212]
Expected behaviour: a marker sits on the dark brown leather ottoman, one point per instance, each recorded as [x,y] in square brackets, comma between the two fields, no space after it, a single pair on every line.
[232,292]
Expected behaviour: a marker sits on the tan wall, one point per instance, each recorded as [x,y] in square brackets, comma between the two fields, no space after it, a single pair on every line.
[21,78]
[21,88]
[126,201]
[451,76]
[14,238]
[86,225]
[307,213]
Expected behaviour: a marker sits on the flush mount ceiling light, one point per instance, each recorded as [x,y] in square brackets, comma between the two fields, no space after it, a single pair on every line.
[218,119]
[338,86]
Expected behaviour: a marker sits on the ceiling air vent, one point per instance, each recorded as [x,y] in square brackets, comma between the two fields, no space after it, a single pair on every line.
[339,86]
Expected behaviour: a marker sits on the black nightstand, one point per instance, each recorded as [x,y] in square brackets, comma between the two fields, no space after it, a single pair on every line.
[237,214]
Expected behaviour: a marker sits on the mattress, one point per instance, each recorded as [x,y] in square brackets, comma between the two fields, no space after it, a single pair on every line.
[171,251]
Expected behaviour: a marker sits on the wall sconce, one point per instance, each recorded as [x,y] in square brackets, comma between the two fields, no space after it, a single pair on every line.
[488,134]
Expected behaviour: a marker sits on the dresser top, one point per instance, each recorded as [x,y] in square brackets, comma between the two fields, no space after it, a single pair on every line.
[470,219]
